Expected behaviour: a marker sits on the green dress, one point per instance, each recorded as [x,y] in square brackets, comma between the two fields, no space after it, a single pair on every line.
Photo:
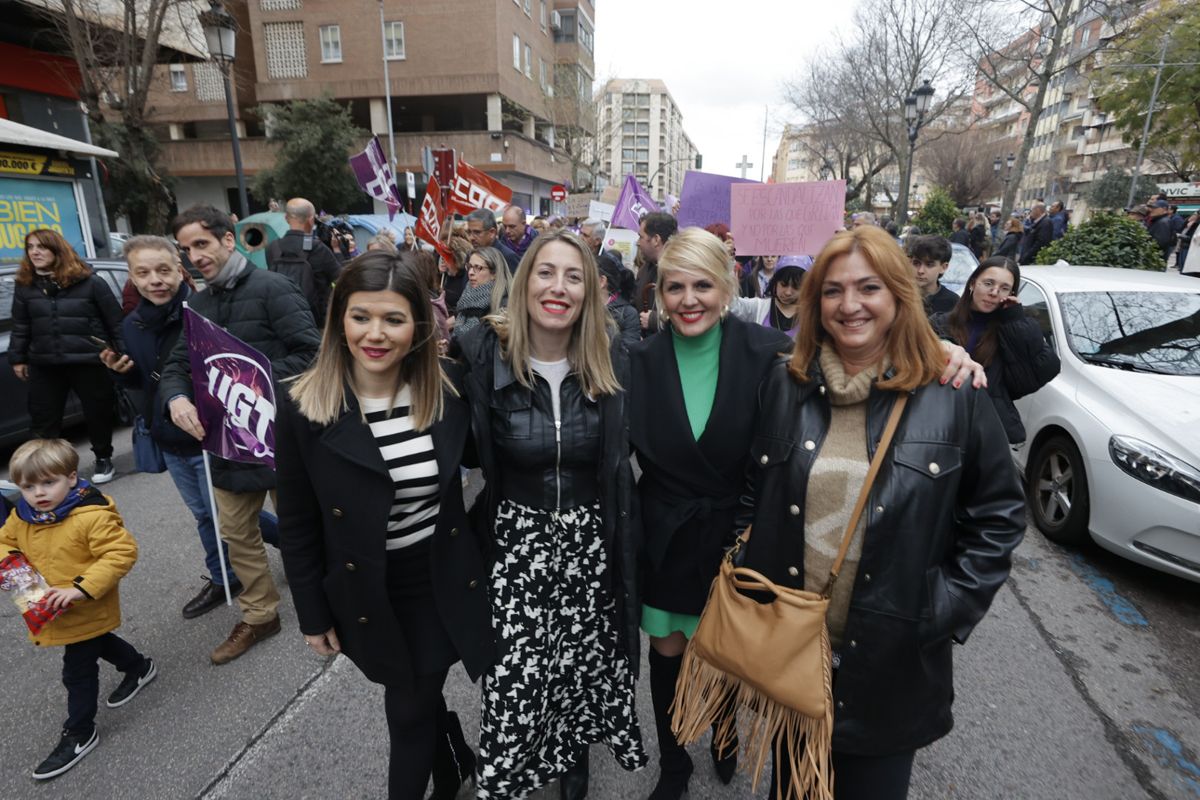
[698,358]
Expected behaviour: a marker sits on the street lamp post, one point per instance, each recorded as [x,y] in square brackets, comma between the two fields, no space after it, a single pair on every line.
[220,32]
[1008,162]
[915,107]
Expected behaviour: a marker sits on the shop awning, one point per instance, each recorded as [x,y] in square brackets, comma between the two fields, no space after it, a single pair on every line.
[16,133]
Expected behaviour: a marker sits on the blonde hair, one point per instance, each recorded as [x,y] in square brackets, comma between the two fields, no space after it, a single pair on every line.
[915,351]
[699,252]
[382,241]
[320,390]
[499,266]
[42,458]
[587,351]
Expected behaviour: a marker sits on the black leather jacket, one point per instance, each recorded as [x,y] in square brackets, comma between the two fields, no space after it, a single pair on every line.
[521,460]
[943,518]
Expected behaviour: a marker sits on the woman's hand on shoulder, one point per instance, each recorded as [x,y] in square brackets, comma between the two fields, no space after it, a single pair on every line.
[961,368]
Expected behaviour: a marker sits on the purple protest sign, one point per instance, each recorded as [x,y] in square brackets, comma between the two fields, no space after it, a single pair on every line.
[632,204]
[373,175]
[704,198]
[233,391]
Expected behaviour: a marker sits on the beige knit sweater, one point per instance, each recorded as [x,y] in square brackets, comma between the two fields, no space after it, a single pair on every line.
[834,482]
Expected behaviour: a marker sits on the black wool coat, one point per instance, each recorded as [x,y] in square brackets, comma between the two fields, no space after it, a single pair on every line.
[688,488]
[944,516]
[52,325]
[335,496]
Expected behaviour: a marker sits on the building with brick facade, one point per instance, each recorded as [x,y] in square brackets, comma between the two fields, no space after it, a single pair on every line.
[483,77]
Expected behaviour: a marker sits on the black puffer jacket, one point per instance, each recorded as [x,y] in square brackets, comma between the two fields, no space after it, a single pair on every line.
[1024,362]
[595,435]
[943,518]
[268,312]
[628,322]
[52,324]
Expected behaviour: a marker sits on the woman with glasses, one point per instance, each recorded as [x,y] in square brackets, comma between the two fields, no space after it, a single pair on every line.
[989,322]
[486,292]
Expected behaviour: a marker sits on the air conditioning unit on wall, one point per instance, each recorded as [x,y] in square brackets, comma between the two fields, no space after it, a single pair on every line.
[556,21]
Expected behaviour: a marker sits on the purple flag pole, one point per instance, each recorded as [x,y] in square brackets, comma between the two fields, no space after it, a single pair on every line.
[632,204]
[375,177]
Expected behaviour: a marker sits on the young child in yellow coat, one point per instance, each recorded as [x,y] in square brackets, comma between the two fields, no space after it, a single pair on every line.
[72,534]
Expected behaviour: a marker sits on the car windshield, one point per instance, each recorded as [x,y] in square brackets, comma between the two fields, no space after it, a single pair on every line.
[1142,331]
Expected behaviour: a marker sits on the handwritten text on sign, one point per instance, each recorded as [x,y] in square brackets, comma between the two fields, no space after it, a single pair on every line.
[786,218]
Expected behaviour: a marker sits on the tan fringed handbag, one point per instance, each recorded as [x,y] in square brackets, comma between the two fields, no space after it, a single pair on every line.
[772,658]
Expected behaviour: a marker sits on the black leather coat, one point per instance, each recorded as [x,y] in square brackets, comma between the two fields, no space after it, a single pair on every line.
[513,424]
[944,516]
[335,496]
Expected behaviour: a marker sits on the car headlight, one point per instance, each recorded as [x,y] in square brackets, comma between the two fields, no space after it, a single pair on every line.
[1156,467]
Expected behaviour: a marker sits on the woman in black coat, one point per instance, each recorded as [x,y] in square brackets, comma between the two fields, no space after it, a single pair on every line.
[692,416]
[1011,244]
[549,414]
[381,561]
[989,322]
[63,315]
[944,515]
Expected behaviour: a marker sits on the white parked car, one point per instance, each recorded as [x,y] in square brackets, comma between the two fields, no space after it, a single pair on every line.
[1114,440]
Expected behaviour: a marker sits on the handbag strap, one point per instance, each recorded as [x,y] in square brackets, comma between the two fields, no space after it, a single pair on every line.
[889,431]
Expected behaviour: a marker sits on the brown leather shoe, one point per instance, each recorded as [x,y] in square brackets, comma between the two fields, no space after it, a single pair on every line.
[242,638]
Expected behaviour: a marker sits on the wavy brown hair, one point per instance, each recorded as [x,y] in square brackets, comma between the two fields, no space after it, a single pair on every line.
[68,266]
[587,352]
[916,353]
[320,390]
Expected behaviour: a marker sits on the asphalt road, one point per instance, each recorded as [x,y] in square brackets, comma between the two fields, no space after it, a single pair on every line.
[1083,682]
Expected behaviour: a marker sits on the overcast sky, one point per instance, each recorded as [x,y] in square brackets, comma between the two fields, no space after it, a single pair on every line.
[724,63]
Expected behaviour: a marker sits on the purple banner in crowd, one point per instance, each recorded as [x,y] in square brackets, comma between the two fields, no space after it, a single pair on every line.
[632,204]
[371,169]
[704,198]
[233,391]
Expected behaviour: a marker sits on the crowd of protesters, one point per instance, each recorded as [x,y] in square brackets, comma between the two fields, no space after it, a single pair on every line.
[520,348]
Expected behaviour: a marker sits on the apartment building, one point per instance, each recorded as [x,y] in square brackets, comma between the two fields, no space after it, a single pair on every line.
[639,131]
[478,76]
[1074,142]
[794,162]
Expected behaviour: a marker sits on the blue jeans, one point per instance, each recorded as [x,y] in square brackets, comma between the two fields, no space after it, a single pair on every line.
[188,474]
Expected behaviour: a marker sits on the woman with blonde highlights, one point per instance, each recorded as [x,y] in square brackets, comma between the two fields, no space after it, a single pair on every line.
[943,516]
[381,560]
[692,417]
[63,315]
[549,413]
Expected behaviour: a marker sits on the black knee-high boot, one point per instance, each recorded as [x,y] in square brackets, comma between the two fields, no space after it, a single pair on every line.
[453,759]
[674,763]
[725,761]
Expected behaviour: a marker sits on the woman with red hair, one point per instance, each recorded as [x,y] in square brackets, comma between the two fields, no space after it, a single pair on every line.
[60,311]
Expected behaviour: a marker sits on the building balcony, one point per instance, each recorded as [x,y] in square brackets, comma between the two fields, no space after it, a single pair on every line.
[491,151]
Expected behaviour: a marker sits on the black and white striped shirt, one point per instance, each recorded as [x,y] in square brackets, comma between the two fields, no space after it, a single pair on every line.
[413,467]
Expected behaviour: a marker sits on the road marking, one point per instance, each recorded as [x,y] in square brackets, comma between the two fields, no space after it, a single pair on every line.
[1169,752]
[1121,607]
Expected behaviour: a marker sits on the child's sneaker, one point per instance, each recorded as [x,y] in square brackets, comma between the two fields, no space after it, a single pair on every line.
[132,683]
[71,749]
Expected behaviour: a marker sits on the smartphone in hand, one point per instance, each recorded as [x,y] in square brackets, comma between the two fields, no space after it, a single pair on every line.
[103,345]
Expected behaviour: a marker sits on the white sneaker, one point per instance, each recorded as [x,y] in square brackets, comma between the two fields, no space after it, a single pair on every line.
[104,471]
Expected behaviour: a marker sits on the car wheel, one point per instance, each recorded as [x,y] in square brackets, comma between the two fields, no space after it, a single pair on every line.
[1058,492]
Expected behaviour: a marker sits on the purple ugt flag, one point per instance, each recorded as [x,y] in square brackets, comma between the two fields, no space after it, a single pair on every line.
[233,390]
[371,169]
[632,204]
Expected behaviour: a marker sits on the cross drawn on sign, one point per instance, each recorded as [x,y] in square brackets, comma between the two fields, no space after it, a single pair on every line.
[745,165]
